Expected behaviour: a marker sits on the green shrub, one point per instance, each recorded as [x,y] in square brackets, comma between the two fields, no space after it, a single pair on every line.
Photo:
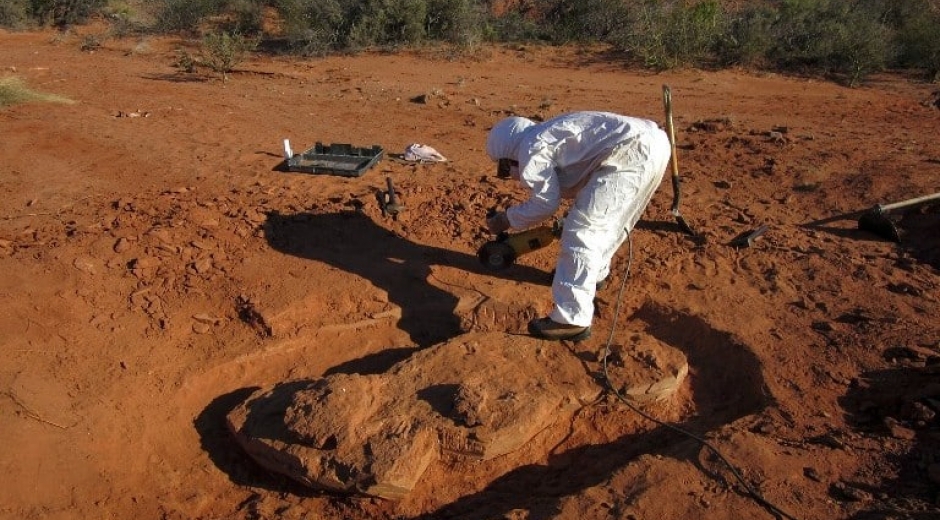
[244,16]
[513,26]
[851,38]
[313,27]
[184,15]
[665,35]
[185,62]
[455,21]
[65,12]
[585,20]
[749,36]
[13,92]
[92,42]
[388,22]
[805,34]
[832,36]
[698,30]
[318,26]
[14,14]
[919,41]
[863,45]
[222,51]
[648,35]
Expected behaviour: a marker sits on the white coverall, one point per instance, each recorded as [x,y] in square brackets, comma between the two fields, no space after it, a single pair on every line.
[610,164]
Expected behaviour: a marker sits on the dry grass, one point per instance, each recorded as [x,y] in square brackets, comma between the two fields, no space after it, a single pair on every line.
[14,91]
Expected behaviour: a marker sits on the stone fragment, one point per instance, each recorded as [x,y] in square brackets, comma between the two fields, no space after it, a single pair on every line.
[850,493]
[899,431]
[85,264]
[201,328]
[478,396]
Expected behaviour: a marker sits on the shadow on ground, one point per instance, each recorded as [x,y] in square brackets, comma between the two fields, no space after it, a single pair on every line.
[728,384]
[229,457]
[354,243]
[904,403]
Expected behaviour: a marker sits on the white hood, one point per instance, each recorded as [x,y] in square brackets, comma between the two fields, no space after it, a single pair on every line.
[505,136]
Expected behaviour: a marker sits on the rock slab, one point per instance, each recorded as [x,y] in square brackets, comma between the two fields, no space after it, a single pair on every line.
[480,395]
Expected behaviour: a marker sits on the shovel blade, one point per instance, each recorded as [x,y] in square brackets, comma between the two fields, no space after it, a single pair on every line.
[878,223]
[685,227]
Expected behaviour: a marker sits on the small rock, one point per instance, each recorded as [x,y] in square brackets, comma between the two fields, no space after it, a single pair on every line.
[201,328]
[899,431]
[830,440]
[203,265]
[922,413]
[909,353]
[850,492]
[207,319]
[85,265]
[147,262]
[162,235]
[904,288]
[822,326]
[765,428]
[812,474]
[121,245]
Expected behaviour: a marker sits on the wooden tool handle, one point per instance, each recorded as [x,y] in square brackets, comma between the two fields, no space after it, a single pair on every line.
[674,159]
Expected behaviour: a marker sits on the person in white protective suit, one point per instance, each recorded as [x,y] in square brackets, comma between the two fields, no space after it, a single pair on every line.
[610,165]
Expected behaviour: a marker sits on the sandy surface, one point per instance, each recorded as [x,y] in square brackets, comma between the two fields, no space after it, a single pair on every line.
[156,270]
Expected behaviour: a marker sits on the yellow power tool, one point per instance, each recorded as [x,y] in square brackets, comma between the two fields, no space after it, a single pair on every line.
[499,254]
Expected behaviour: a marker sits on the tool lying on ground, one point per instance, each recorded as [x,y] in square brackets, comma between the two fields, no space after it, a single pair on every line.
[499,254]
[747,238]
[334,159]
[389,201]
[876,220]
[674,161]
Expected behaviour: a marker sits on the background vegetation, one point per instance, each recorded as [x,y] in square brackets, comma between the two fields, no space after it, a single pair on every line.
[14,91]
[846,39]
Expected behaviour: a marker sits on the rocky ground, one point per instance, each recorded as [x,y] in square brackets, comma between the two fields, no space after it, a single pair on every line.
[157,269]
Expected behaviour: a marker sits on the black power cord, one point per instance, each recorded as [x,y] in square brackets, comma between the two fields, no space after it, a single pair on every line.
[753,493]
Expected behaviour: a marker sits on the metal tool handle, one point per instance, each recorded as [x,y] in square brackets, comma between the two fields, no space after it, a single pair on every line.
[674,159]
[392,200]
[881,208]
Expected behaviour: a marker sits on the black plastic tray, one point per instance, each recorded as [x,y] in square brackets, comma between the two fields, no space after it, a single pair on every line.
[336,159]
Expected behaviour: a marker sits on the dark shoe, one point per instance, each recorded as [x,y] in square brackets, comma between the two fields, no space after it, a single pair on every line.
[545,328]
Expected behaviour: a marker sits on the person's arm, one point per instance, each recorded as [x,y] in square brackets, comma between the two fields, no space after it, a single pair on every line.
[538,176]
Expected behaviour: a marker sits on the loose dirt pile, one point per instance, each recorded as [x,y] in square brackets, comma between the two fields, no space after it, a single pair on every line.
[158,271]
